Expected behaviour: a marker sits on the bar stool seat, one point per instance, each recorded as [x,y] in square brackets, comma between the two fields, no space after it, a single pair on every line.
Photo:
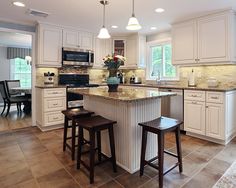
[95,124]
[160,126]
[72,114]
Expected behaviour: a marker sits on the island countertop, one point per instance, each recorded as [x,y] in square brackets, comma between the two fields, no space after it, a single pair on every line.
[127,94]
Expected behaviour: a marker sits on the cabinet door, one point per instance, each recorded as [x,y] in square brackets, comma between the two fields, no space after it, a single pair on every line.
[142,52]
[194,117]
[102,48]
[86,40]
[212,39]
[70,39]
[215,120]
[50,46]
[131,55]
[184,43]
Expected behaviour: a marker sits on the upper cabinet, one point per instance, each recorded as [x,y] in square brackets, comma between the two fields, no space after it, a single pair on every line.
[77,39]
[134,51]
[208,39]
[103,47]
[49,45]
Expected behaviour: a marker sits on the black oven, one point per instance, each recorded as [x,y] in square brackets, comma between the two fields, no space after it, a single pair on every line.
[73,80]
[77,57]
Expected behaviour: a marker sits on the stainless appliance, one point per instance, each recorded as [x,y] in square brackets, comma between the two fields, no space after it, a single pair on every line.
[173,106]
[77,57]
[72,80]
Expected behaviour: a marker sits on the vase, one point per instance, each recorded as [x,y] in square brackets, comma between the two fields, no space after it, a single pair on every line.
[113,83]
[112,72]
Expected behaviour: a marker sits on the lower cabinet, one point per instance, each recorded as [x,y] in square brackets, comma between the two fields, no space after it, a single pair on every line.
[194,113]
[210,115]
[50,102]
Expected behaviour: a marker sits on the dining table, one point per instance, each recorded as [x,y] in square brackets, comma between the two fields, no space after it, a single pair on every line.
[27,91]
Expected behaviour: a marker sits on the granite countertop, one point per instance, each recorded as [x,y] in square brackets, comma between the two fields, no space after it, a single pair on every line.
[46,86]
[203,87]
[127,94]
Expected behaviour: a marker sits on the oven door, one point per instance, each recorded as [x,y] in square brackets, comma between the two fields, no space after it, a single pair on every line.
[74,100]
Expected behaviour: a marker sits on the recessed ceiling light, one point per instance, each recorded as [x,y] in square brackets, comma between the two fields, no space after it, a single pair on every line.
[114,26]
[153,28]
[160,10]
[18,3]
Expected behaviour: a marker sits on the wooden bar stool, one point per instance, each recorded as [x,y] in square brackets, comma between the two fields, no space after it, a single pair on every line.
[93,125]
[72,114]
[160,126]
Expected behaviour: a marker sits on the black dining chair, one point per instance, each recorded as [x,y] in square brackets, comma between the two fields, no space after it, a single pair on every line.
[10,100]
[13,84]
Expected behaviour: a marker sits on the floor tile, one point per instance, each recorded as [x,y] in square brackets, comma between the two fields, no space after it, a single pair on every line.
[111,184]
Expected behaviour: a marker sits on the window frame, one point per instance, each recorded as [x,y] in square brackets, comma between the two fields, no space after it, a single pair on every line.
[149,57]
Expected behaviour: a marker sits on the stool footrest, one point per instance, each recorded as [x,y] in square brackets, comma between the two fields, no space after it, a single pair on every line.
[170,153]
[171,168]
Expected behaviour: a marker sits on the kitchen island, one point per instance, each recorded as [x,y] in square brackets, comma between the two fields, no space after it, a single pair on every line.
[129,106]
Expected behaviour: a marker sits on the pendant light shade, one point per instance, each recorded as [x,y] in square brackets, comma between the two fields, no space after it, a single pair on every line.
[104,34]
[133,23]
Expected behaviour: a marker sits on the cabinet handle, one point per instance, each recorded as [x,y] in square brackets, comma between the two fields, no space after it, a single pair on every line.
[194,102]
[193,95]
[214,97]
[55,93]
[55,118]
[55,104]
[206,106]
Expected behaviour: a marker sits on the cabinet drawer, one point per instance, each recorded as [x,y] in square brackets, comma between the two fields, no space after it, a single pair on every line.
[56,92]
[194,95]
[214,97]
[52,104]
[53,118]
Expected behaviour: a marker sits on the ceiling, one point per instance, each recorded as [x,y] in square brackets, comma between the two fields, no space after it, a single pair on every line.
[87,14]
[10,39]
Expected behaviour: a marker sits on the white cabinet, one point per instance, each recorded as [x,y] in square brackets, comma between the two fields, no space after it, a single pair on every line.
[77,39]
[215,120]
[210,115]
[205,40]
[135,51]
[194,116]
[184,43]
[49,46]
[103,47]
[50,102]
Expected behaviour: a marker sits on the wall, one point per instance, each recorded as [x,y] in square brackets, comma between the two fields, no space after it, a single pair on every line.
[4,66]
[159,36]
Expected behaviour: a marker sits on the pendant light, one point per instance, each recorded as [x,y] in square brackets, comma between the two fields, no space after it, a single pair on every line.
[104,34]
[133,23]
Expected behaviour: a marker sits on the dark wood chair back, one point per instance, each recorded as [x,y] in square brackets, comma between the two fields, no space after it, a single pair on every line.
[3,90]
[11,84]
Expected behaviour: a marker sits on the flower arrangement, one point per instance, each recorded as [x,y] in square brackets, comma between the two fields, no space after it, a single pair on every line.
[114,61]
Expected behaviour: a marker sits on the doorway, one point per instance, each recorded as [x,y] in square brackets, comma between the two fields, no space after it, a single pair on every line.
[17,70]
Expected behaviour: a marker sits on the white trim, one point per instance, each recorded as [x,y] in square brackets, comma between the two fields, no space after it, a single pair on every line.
[33,68]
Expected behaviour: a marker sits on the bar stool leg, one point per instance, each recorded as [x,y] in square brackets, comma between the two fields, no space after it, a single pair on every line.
[160,158]
[65,132]
[99,145]
[179,151]
[80,144]
[92,155]
[73,140]
[112,147]
[143,150]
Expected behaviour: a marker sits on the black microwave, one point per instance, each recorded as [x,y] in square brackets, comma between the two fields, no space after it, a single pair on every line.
[77,57]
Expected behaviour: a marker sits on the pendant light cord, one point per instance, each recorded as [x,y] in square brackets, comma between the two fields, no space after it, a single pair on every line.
[133,10]
[104,4]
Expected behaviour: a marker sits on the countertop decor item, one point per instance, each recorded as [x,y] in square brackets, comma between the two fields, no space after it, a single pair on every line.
[113,63]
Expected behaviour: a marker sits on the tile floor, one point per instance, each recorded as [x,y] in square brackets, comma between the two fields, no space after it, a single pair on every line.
[30,158]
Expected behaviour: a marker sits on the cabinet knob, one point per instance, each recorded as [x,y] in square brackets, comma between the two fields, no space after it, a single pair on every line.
[206,106]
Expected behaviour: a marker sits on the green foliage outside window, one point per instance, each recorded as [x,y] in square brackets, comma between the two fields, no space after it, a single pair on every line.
[161,64]
[20,70]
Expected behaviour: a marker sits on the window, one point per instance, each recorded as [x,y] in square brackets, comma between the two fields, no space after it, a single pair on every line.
[159,62]
[21,70]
